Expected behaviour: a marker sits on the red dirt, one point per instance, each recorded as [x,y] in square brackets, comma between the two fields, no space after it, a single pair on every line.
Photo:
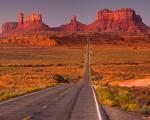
[136,83]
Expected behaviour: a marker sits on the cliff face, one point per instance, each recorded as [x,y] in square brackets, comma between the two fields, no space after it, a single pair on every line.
[27,23]
[122,14]
[73,26]
[33,19]
[9,27]
[124,20]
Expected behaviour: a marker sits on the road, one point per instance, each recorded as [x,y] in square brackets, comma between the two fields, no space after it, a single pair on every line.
[75,101]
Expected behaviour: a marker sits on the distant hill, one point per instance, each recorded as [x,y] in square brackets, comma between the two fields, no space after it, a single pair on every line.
[28,40]
[76,39]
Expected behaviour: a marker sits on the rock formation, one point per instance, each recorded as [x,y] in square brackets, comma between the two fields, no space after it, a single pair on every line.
[33,19]
[9,27]
[27,23]
[123,20]
[20,19]
[73,26]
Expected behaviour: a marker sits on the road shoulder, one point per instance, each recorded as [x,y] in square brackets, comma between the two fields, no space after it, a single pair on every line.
[115,113]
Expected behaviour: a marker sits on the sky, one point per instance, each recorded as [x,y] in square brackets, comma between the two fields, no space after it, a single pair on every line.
[58,12]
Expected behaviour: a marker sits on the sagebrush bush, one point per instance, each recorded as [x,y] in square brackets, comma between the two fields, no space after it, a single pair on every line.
[133,107]
[117,96]
[109,102]
[124,106]
[123,97]
[145,109]
[104,94]
[106,97]
[60,78]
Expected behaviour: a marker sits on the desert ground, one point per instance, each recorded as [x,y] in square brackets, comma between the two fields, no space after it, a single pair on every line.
[121,75]
[24,70]
[120,67]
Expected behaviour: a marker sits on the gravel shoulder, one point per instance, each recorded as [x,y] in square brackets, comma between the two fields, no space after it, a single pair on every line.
[115,113]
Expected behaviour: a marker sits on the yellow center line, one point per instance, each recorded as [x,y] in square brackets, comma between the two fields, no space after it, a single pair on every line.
[27,118]
[56,98]
[45,106]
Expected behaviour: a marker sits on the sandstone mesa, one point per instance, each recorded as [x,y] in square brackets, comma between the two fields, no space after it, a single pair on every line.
[25,24]
[122,20]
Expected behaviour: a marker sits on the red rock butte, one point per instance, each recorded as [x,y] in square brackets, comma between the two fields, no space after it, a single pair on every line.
[32,19]
[25,23]
[122,20]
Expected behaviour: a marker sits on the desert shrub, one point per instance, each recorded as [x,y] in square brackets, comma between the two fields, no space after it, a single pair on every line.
[117,96]
[133,107]
[109,102]
[104,94]
[106,97]
[59,65]
[124,106]
[126,100]
[60,78]
[121,76]
[145,109]
[123,97]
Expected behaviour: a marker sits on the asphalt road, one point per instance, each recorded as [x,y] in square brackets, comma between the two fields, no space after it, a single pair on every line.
[66,102]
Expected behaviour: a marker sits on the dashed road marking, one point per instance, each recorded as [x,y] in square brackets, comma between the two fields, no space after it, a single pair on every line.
[27,118]
[45,106]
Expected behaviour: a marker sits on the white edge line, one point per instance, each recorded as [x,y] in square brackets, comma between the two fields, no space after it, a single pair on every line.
[28,94]
[95,99]
[96,103]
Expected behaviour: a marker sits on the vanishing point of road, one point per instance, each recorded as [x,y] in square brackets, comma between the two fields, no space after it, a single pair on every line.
[74,101]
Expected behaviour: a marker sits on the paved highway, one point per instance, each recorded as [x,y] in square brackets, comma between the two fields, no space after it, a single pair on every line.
[65,102]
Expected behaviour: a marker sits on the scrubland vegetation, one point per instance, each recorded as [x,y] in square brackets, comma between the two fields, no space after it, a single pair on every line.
[47,39]
[117,96]
[24,70]
[115,58]
[112,65]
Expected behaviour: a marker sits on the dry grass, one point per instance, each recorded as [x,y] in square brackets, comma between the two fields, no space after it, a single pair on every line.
[115,64]
[120,63]
[41,56]
[24,70]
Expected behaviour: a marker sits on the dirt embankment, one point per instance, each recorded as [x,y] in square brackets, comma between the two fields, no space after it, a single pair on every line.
[136,83]
[115,113]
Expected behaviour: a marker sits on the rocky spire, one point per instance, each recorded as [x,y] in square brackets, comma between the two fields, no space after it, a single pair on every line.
[20,18]
[74,19]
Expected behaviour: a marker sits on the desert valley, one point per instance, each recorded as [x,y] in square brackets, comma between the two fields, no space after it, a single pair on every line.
[35,56]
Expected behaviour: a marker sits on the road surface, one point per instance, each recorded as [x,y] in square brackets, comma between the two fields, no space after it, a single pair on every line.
[75,101]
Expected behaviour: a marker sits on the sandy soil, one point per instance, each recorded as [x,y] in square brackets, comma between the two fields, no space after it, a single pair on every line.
[136,83]
[115,113]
